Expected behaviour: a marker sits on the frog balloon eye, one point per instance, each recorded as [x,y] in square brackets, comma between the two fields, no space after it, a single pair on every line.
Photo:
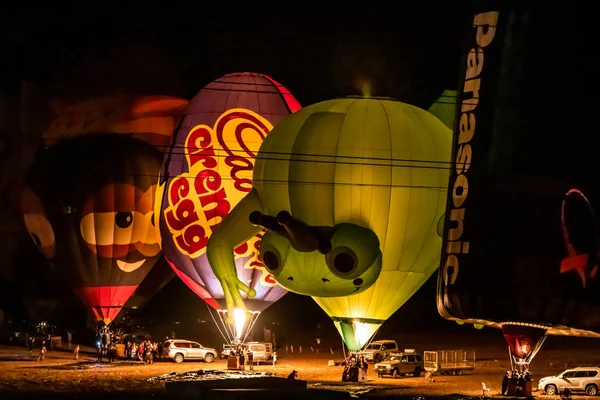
[273,252]
[342,261]
[355,249]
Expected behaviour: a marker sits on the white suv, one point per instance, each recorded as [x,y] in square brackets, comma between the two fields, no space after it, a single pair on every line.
[580,379]
[379,350]
[180,350]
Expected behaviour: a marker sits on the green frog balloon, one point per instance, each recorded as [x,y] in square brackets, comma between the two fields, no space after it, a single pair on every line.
[350,193]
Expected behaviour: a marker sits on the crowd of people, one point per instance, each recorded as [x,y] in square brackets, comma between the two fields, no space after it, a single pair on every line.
[356,369]
[243,358]
[147,351]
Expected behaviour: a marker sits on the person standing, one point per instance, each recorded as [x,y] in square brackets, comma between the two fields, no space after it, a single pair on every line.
[31,340]
[505,382]
[76,352]
[43,352]
[251,360]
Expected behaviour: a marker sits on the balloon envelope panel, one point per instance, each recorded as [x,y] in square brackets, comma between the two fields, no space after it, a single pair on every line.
[150,118]
[89,206]
[208,170]
[522,241]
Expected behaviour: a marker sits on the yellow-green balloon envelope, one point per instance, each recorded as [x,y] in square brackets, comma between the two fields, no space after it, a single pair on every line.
[350,193]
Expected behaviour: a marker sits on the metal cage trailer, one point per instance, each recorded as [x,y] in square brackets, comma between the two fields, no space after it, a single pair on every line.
[449,362]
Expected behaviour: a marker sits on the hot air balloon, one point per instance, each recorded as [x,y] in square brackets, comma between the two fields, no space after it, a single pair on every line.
[88,206]
[206,172]
[350,192]
[521,248]
[150,118]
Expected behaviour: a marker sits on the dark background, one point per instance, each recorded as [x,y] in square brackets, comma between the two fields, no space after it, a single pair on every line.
[406,51]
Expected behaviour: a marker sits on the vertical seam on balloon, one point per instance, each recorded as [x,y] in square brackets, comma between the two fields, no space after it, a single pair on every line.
[434,220]
[401,283]
[387,118]
[256,92]
[337,147]
[410,184]
[86,276]
[255,273]
[350,103]
[287,107]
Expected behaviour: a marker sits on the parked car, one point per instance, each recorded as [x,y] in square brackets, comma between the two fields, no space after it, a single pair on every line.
[379,350]
[226,351]
[180,350]
[407,362]
[261,351]
[580,379]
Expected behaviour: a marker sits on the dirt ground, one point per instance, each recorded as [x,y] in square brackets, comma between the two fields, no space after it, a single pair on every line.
[22,375]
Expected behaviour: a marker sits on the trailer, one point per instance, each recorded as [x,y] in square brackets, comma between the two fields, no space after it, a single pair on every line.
[449,362]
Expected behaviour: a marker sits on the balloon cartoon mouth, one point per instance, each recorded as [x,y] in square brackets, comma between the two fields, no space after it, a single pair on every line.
[130,267]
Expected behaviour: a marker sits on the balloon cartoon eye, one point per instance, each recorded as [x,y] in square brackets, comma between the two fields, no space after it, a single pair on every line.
[355,249]
[271,259]
[123,219]
[273,252]
[342,261]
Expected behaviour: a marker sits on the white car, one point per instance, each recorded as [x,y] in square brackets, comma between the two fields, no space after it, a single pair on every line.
[580,379]
[179,350]
[408,362]
[227,348]
[379,350]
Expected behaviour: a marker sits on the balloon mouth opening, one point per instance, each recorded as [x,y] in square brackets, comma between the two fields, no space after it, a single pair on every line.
[239,320]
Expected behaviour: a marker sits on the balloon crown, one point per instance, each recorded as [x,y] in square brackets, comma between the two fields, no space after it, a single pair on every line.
[355,96]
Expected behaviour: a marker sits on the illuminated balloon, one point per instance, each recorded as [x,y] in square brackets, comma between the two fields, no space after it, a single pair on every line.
[150,118]
[208,170]
[522,245]
[350,192]
[88,206]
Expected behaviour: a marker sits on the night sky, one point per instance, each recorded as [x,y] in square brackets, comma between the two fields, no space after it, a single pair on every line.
[409,53]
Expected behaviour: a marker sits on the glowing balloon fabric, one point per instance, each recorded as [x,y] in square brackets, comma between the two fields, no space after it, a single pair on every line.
[150,118]
[208,170]
[350,191]
[89,207]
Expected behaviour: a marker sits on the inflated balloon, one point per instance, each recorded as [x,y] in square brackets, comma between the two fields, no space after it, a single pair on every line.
[208,170]
[150,118]
[89,206]
[350,192]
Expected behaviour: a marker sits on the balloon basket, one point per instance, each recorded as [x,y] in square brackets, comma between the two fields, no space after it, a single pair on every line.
[354,374]
[233,364]
[516,391]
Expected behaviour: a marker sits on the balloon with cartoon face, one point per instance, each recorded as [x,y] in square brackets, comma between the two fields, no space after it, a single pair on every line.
[88,206]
